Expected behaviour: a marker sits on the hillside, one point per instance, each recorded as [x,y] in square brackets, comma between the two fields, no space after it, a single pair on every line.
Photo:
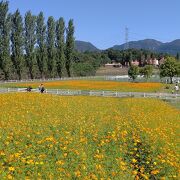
[83,46]
[147,44]
[171,47]
[153,45]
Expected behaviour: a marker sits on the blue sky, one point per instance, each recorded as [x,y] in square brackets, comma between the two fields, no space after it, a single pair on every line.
[103,22]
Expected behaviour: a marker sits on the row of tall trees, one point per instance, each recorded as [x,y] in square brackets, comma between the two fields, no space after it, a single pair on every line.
[31,47]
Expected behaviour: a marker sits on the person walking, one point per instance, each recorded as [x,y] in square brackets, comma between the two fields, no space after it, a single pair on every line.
[41,88]
[176,88]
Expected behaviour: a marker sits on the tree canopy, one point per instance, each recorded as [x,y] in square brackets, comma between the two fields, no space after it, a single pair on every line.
[133,72]
[170,68]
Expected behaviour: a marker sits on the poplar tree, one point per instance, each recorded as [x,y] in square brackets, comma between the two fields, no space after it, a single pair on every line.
[17,43]
[41,42]
[30,40]
[177,56]
[5,20]
[51,46]
[60,46]
[69,47]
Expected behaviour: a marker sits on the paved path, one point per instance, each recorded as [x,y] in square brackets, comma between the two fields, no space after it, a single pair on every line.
[71,92]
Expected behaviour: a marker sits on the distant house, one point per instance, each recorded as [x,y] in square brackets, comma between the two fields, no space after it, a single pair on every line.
[135,62]
[113,64]
[161,61]
[154,62]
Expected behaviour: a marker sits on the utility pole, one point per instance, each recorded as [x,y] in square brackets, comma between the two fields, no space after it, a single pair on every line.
[126,45]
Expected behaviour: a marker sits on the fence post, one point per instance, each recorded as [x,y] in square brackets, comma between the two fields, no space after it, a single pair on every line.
[144,94]
[57,92]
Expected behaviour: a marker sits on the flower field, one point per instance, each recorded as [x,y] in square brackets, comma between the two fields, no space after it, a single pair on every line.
[51,137]
[96,85]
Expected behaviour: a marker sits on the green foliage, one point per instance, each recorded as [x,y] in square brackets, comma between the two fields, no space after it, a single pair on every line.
[89,60]
[17,42]
[178,68]
[30,40]
[104,59]
[69,46]
[60,45]
[146,71]
[51,46]
[177,56]
[133,72]
[169,68]
[83,69]
[5,25]
[41,49]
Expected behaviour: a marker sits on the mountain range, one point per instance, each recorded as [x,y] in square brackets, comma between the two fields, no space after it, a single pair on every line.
[148,44]
[83,46]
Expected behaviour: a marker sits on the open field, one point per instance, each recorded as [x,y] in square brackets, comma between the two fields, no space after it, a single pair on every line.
[111,71]
[45,137]
[95,85]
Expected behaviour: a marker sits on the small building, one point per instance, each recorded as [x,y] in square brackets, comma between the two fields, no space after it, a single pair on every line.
[135,63]
[161,61]
[153,62]
[113,64]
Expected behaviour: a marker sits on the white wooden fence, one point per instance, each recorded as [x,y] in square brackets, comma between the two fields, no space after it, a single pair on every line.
[105,77]
[68,92]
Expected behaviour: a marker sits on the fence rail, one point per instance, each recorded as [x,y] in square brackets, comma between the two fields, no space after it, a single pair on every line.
[70,92]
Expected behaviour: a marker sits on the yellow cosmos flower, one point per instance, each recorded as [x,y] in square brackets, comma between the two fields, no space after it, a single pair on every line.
[11,169]
[134,160]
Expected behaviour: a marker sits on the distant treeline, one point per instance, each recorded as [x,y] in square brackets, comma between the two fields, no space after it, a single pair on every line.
[129,55]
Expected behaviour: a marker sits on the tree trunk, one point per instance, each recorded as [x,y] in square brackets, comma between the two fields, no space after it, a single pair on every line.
[6,75]
[171,80]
